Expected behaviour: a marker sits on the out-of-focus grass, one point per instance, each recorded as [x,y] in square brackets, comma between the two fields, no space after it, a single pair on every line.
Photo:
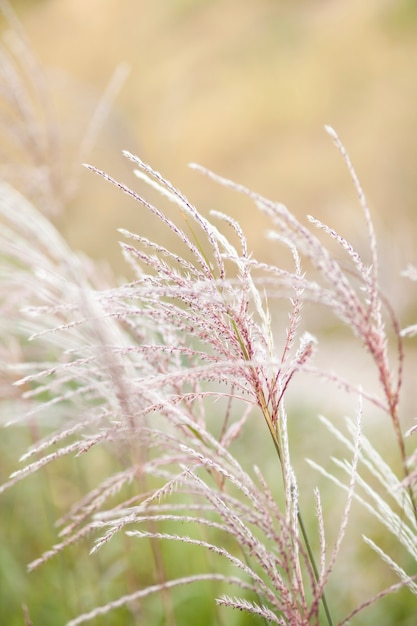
[73,581]
[245,89]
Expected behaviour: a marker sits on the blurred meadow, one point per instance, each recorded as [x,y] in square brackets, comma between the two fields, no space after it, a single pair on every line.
[244,88]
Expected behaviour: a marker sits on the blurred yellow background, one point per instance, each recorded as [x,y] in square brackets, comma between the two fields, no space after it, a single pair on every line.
[243,87]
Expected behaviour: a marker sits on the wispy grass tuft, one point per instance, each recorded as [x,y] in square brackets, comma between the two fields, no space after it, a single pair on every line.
[172,371]
[168,369]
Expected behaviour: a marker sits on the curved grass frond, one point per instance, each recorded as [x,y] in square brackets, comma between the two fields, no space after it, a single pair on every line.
[390,504]
[167,372]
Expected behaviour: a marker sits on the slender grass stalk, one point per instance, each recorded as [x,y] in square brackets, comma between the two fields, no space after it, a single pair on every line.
[273,430]
[138,366]
[277,445]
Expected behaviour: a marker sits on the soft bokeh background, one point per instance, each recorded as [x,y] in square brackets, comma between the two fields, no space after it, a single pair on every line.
[243,87]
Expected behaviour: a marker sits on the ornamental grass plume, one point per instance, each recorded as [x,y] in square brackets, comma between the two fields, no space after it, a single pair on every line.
[171,368]
[168,372]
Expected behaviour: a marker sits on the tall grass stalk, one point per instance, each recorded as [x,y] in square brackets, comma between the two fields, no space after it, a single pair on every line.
[170,370]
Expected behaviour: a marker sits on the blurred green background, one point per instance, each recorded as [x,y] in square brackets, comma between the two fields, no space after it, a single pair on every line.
[243,87]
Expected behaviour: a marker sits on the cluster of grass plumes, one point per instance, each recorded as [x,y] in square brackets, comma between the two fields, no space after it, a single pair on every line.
[168,370]
[36,154]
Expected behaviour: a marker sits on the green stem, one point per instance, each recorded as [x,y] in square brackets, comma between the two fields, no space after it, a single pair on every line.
[314,566]
[303,530]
